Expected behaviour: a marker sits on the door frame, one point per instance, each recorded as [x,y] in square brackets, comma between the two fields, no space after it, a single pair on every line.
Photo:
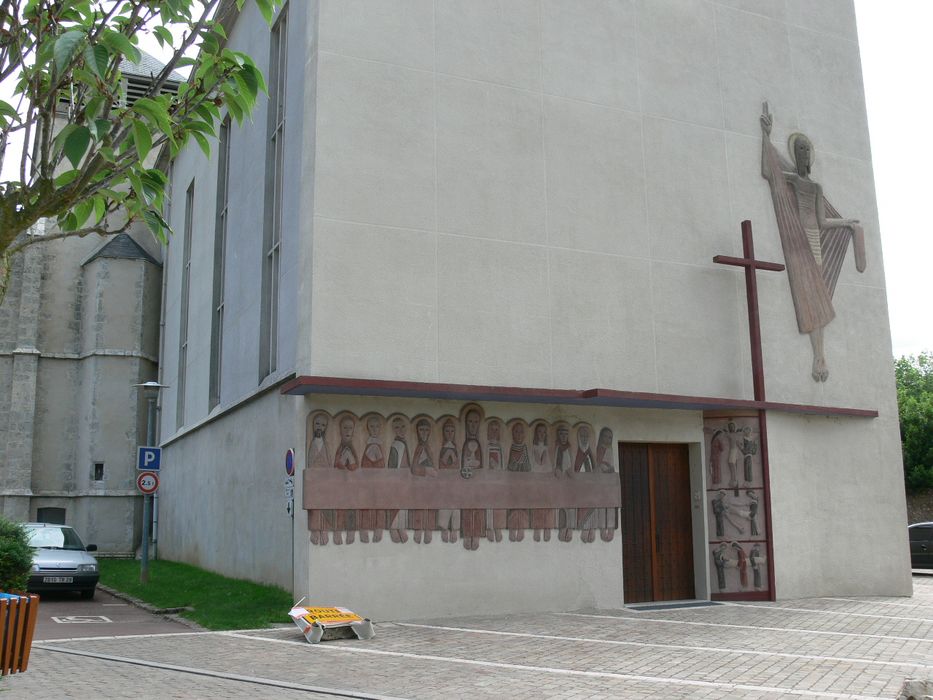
[701,565]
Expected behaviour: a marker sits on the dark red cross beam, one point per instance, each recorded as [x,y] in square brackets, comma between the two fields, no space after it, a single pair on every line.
[751,293]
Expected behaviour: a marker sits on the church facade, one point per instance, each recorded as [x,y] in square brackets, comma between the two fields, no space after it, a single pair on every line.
[459,267]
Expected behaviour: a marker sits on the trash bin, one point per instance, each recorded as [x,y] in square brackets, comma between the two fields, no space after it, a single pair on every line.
[18,614]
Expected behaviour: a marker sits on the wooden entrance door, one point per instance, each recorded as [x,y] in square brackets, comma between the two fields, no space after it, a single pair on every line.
[657,525]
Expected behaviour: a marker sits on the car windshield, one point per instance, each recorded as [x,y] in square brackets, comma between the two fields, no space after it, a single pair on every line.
[54,538]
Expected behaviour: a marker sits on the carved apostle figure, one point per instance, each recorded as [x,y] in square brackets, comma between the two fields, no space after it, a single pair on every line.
[605,464]
[396,520]
[543,520]
[320,522]
[563,465]
[371,519]
[422,521]
[317,454]
[496,518]
[473,520]
[448,520]
[813,236]
[519,461]
[346,458]
[585,463]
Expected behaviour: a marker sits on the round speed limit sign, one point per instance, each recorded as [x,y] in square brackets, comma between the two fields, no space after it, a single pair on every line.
[147,482]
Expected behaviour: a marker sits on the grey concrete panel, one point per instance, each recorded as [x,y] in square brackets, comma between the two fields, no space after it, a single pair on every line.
[832,111]
[688,187]
[588,52]
[375,143]
[602,332]
[490,41]
[755,62]
[379,308]
[390,31]
[677,72]
[596,198]
[490,161]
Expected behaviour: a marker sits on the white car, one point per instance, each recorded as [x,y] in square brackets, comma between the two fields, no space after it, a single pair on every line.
[60,560]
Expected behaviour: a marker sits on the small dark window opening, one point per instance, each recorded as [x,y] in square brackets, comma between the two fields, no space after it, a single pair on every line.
[98,471]
[55,516]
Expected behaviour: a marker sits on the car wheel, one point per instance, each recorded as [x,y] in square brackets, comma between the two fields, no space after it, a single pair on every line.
[88,594]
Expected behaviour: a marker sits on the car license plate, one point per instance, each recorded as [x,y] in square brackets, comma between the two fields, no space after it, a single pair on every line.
[57,579]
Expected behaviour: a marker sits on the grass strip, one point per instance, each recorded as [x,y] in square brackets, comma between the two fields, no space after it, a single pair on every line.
[217,602]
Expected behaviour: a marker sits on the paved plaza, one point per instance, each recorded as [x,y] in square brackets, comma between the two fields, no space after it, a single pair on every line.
[813,648]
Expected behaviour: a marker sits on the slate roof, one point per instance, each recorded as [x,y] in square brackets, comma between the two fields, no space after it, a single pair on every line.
[148,67]
[121,247]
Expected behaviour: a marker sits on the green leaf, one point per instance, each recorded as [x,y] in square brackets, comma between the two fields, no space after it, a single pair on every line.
[69,222]
[66,177]
[66,46]
[100,209]
[246,76]
[102,126]
[93,106]
[118,43]
[234,109]
[202,142]
[267,9]
[199,126]
[97,57]
[82,211]
[76,144]
[7,110]
[209,42]
[156,224]
[156,176]
[164,36]
[142,138]
[155,111]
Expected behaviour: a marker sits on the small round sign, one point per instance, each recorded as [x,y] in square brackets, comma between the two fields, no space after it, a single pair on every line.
[290,462]
[147,482]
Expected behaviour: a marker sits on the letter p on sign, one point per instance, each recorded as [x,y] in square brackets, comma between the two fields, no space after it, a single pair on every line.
[149,458]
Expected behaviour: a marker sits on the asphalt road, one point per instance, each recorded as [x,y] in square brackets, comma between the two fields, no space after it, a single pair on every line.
[67,616]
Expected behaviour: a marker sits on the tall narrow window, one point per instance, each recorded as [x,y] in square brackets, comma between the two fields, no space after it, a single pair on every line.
[220,261]
[183,304]
[272,228]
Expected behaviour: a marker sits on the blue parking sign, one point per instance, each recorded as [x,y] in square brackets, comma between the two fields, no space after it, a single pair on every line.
[149,458]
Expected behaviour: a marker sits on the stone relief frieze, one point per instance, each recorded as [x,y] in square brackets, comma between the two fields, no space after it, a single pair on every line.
[735,505]
[465,478]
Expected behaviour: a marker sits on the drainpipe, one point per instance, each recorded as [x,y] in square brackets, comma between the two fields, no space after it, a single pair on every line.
[161,375]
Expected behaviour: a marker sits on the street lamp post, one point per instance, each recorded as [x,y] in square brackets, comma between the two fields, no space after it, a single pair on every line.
[151,392]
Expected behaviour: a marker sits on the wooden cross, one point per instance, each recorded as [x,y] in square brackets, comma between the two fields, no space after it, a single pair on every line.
[751,293]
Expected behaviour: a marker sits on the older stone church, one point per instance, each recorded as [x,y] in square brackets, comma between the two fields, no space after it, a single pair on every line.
[478,271]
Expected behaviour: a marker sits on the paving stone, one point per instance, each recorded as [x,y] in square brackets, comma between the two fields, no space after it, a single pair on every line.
[820,648]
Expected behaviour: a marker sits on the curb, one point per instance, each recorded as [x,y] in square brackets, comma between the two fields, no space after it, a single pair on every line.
[171,614]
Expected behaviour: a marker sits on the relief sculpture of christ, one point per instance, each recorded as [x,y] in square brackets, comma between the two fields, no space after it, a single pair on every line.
[813,235]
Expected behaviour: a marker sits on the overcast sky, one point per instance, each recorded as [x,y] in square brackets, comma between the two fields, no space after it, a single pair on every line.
[894,37]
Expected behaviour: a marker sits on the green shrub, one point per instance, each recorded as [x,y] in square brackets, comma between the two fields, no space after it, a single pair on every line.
[15,556]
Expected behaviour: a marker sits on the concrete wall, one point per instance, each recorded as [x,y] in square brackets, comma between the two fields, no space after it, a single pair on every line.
[532,195]
[221,497]
[387,580]
[243,292]
[838,507]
